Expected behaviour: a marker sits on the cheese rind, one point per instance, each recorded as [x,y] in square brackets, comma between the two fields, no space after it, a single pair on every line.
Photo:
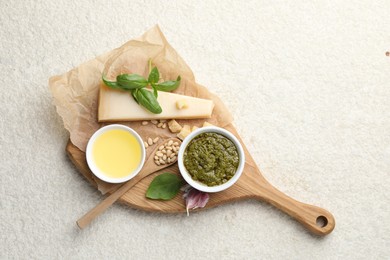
[117,105]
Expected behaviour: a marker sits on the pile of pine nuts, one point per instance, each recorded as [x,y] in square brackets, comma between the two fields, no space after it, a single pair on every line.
[167,153]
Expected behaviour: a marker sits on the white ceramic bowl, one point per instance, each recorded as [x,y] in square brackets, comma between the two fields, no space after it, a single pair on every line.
[92,165]
[198,185]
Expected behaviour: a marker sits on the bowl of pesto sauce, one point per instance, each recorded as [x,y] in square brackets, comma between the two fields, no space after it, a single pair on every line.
[211,159]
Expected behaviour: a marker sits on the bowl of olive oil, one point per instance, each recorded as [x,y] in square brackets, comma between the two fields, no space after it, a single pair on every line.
[115,153]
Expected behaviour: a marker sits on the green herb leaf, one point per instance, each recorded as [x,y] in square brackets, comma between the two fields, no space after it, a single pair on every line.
[154,76]
[169,85]
[164,187]
[148,100]
[155,93]
[111,84]
[131,81]
[134,94]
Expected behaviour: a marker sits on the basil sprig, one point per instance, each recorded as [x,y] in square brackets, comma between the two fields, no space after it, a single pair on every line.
[136,85]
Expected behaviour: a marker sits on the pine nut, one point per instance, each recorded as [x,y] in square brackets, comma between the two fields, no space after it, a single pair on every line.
[150,141]
[154,122]
[145,122]
[166,153]
[164,125]
[146,144]
[160,125]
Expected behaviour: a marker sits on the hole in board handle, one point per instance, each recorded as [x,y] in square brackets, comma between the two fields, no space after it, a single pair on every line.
[321,221]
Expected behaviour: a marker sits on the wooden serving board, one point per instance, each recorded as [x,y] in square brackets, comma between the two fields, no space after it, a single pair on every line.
[251,184]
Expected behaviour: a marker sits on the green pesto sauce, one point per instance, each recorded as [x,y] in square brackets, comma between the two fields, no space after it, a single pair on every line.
[211,158]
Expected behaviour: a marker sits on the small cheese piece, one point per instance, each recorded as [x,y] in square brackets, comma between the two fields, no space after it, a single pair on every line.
[117,105]
[186,130]
[181,104]
[194,128]
[207,124]
[174,126]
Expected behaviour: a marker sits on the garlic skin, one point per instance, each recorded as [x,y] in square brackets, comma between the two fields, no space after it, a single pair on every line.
[194,198]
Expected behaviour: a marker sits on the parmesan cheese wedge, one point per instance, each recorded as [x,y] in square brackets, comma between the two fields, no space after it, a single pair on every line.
[117,105]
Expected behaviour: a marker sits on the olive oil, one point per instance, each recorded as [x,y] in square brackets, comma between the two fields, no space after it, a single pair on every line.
[117,153]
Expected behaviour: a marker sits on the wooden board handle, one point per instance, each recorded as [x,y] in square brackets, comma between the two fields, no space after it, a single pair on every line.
[317,220]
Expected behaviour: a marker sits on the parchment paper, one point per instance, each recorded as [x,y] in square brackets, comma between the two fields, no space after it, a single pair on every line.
[75,93]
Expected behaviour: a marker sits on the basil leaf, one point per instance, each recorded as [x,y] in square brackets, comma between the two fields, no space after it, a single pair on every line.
[154,76]
[169,85]
[165,187]
[134,94]
[131,81]
[148,100]
[111,84]
[155,93]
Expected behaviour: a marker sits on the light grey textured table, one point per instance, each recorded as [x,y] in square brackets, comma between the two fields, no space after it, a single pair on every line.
[308,84]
